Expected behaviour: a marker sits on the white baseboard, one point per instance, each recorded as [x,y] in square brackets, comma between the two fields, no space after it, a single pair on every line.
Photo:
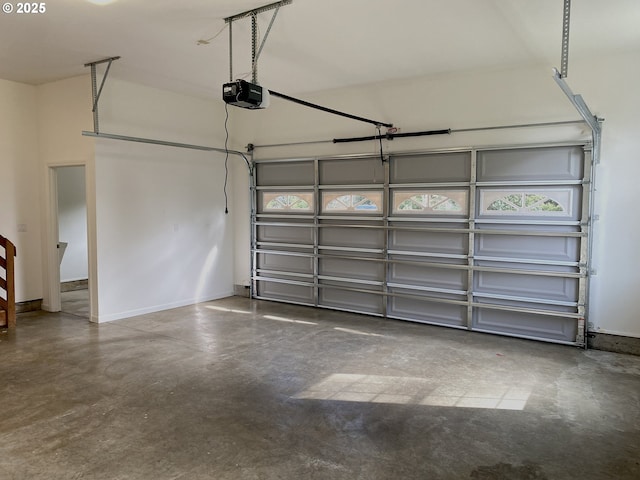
[157,308]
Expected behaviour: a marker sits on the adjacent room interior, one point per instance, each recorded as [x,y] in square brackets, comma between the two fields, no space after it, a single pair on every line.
[319,239]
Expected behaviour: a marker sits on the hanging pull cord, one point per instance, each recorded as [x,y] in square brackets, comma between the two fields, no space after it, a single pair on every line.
[226,159]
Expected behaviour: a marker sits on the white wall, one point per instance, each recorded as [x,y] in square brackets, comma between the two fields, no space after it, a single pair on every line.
[486,98]
[72,223]
[611,86]
[163,239]
[64,111]
[41,129]
[19,184]
[46,121]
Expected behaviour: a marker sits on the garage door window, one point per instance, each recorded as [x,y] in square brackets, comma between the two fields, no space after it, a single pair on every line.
[287,201]
[361,202]
[527,202]
[430,202]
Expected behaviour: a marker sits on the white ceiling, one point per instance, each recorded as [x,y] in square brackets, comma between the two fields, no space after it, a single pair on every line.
[313,45]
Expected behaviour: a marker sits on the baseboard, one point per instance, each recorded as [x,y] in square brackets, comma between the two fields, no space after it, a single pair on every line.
[157,308]
[614,343]
[29,306]
[74,285]
[241,291]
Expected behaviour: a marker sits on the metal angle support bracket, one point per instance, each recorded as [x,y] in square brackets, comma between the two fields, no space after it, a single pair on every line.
[266,34]
[95,92]
[579,103]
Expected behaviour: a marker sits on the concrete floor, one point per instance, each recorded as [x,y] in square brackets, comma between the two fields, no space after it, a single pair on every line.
[76,302]
[240,389]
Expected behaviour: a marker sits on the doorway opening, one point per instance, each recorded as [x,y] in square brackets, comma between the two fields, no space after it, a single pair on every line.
[72,240]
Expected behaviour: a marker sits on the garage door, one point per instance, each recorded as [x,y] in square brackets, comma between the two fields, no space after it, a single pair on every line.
[492,240]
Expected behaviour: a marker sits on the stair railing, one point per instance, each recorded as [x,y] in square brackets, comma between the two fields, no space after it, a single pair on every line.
[7,283]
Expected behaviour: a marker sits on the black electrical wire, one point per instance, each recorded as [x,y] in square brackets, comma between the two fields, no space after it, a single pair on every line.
[226,158]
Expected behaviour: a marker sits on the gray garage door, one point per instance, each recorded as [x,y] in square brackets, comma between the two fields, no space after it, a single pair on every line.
[491,240]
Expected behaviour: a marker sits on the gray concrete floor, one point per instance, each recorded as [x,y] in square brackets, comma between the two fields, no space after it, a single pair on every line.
[76,302]
[240,389]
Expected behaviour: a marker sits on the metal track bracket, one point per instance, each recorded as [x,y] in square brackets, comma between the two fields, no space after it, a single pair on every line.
[95,92]
[578,102]
[566,21]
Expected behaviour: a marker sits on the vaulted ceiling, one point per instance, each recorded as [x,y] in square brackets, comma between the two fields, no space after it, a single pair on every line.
[313,45]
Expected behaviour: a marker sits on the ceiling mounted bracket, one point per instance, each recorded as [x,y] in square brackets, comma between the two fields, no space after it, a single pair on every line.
[566,20]
[266,34]
[254,41]
[231,51]
[559,76]
[255,50]
[257,11]
[95,92]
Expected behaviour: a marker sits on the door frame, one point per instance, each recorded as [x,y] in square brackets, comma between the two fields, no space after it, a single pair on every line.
[51,263]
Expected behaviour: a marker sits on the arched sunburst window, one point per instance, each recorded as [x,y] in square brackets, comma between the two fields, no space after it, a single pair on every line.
[525,202]
[361,202]
[430,202]
[450,202]
[546,202]
[287,202]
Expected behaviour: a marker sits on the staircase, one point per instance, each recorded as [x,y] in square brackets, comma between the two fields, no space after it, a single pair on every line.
[7,284]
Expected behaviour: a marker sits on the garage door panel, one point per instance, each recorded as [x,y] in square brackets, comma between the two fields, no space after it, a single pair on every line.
[520,304]
[431,168]
[288,248]
[356,171]
[350,300]
[437,261]
[529,267]
[285,263]
[285,292]
[277,234]
[525,324]
[529,286]
[285,277]
[429,242]
[428,276]
[351,237]
[285,173]
[351,268]
[423,310]
[426,295]
[534,164]
[563,249]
